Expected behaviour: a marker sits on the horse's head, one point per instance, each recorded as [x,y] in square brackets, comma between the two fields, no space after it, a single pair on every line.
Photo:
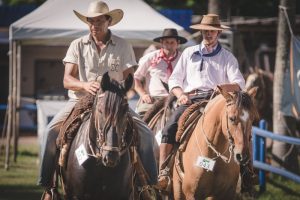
[239,115]
[112,118]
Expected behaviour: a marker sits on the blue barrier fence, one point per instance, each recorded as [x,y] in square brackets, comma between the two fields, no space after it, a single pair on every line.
[27,107]
[259,154]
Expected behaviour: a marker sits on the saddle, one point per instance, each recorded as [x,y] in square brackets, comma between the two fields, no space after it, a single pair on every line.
[71,125]
[158,109]
[188,121]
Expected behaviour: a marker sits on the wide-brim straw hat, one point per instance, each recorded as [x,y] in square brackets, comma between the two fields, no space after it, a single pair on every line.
[210,22]
[170,33]
[98,8]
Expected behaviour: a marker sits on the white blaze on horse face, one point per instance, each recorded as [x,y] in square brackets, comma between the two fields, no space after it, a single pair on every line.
[244,116]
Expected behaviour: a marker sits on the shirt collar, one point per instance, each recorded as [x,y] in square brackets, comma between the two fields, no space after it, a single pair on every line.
[88,39]
[201,49]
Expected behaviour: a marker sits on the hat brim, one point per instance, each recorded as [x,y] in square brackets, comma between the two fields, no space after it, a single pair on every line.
[182,40]
[209,27]
[116,16]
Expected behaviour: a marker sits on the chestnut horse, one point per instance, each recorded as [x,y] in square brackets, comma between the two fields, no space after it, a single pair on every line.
[220,142]
[107,137]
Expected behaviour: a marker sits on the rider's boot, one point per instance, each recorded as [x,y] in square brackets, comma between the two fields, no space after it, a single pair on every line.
[164,179]
[50,192]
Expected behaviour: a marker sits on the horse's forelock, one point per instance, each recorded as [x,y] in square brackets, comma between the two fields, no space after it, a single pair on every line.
[113,100]
[244,100]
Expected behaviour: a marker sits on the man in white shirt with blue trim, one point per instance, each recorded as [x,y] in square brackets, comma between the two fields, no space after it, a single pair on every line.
[197,73]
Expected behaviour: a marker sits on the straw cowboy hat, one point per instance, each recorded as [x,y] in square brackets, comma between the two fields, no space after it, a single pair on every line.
[98,8]
[210,22]
[170,33]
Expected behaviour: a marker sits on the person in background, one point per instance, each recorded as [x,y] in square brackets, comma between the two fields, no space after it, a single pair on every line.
[88,57]
[155,69]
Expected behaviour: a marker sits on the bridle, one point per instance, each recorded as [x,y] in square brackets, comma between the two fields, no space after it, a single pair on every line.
[102,130]
[230,139]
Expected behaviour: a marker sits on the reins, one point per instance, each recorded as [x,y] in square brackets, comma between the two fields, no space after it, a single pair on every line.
[210,145]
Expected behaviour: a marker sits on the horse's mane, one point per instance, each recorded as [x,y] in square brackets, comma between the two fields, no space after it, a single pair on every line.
[165,103]
[241,99]
[153,110]
[113,102]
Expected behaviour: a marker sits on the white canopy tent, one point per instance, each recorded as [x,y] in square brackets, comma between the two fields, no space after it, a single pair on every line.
[55,24]
[55,20]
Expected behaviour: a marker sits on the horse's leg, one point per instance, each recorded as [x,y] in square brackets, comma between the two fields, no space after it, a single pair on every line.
[177,186]
[229,194]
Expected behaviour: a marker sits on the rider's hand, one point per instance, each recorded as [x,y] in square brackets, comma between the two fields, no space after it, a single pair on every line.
[91,87]
[183,99]
[146,98]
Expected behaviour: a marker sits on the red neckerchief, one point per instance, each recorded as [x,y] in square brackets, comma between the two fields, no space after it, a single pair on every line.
[162,56]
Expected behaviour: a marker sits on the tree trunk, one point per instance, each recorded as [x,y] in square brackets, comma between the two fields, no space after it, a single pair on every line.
[220,7]
[284,155]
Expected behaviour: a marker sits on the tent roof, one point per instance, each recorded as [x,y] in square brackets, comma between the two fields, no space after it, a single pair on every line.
[55,20]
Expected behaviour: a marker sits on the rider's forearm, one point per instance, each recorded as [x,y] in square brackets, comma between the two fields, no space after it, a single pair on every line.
[177,91]
[139,87]
[72,83]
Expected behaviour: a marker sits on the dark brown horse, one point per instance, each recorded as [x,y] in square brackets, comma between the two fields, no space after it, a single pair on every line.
[209,166]
[107,137]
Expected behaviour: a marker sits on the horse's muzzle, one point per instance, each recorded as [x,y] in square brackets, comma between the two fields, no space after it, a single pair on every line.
[110,159]
[242,159]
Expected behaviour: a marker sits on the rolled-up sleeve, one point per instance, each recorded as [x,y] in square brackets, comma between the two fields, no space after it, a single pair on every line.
[128,57]
[141,71]
[234,74]
[72,53]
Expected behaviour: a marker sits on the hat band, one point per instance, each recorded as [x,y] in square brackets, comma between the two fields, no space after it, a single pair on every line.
[211,24]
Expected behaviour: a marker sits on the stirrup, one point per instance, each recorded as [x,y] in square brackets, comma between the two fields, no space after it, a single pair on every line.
[164,180]
[50,194]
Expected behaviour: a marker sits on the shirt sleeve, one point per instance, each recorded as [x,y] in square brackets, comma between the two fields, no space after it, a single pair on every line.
[128,57]
[179,73]
[72,53]
[142,70]
[234,74]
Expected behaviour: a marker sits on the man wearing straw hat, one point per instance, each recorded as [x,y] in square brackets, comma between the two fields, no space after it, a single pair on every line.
[88,57]
[197,73]
[155,69]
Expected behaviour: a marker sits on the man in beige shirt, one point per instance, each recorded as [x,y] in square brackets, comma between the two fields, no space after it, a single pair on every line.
[88,57]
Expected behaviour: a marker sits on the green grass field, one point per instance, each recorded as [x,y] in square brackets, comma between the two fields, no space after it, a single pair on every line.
[19,182]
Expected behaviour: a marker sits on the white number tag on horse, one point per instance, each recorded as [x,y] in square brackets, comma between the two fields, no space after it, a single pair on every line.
[205,163]
[81,154]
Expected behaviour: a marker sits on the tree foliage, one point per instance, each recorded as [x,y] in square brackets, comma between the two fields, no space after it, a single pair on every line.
[22,2]
[258,8]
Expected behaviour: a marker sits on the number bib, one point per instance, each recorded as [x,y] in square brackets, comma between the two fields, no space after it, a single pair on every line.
[81,154]
[205,163]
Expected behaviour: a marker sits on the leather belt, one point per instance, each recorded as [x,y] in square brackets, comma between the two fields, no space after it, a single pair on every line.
[199,92]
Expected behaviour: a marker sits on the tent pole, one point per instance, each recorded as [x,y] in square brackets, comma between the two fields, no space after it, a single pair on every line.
[10,103]
[17,99]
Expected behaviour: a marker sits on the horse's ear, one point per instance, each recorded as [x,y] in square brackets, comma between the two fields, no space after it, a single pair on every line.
[252,92]
[225,94]
[128,82]
[105,82]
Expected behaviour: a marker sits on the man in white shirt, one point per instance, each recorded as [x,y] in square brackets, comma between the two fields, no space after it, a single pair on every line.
[155,68]
[197,73]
